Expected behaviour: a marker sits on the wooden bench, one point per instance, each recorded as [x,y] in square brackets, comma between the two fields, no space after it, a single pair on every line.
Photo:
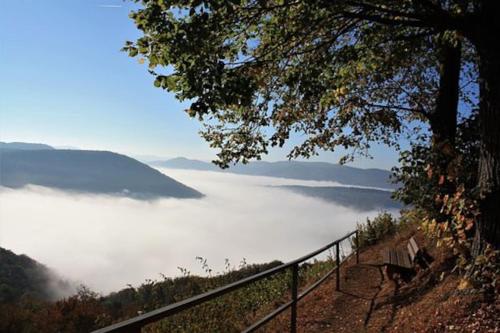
[401,261]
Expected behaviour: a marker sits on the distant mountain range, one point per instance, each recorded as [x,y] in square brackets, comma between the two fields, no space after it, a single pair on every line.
[361,199]
[319,171]
[102,172]
[106,172]
[24,146]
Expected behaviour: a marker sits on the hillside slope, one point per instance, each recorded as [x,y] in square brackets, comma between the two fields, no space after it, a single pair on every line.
[88,171]
[371,303]
[431,301]
[21,276]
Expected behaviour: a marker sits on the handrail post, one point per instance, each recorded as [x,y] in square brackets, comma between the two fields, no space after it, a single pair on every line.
[357,246]
[337,255]
[295,287]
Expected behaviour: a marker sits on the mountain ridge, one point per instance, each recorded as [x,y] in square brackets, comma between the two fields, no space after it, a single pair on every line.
[24,146]
[316,171]
[88,171]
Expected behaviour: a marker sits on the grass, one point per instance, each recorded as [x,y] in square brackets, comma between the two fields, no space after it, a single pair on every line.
[239,309]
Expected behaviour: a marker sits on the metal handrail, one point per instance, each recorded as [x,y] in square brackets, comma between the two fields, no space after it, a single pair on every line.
[135,324]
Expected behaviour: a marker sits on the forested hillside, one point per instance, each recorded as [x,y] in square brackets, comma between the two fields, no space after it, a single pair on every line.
[21,277]
[361,199]
[87,310]
[88,171]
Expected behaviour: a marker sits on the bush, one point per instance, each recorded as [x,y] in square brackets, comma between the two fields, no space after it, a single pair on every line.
[374,230]
[232,312]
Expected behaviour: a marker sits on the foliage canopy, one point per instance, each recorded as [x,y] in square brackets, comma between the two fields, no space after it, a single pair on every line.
[258,72]
[341,73]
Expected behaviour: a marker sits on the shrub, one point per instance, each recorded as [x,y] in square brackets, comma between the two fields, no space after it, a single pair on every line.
[88,311]
[373,230]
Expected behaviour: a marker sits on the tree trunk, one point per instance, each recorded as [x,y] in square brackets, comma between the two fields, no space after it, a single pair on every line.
[486,42]
[443,119]
[489,160]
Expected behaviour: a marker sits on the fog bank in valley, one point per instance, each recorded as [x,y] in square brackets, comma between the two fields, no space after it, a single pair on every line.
[108,242]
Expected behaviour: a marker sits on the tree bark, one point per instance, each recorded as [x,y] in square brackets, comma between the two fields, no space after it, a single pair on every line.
[489,160]
[443,119]
[486,42]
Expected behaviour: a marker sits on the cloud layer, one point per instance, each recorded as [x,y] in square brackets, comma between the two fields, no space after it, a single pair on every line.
[108,242]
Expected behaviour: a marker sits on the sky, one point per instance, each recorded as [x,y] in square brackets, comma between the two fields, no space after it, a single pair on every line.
[65,82]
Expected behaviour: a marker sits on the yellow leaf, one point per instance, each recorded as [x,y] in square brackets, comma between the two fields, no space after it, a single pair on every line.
[464,284]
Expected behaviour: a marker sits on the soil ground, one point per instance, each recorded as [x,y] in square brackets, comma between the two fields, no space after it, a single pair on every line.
[370,302]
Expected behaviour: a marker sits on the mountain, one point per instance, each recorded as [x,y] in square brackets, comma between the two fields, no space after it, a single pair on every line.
[147,158]
[319,171]
[88,171]
[22,276]
[24,146]
[185,163]
[361,199]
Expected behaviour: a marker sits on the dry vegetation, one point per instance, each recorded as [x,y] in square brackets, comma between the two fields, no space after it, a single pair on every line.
[434,300]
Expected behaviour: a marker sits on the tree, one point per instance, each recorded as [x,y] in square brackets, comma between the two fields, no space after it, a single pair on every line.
[344,73]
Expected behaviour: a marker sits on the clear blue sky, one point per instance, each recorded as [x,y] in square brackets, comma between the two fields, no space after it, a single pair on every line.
[65,82]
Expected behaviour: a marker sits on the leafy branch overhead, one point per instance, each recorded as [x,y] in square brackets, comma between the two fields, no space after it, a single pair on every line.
[258,72]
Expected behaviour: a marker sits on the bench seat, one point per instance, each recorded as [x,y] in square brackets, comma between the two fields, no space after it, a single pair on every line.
[402,258]
[398,258]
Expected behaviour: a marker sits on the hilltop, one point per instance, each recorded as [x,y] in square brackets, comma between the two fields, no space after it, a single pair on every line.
[24,146]
[100,172]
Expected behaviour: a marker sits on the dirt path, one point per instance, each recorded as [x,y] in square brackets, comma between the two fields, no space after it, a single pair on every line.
[357,307]
[368,302]
[365,300]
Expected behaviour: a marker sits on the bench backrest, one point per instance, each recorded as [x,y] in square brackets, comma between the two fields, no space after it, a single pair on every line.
[413,249]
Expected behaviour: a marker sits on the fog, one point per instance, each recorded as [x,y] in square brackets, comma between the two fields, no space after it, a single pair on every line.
[107,242]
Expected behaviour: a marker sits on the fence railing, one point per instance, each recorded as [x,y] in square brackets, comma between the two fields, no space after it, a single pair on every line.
[134,325]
